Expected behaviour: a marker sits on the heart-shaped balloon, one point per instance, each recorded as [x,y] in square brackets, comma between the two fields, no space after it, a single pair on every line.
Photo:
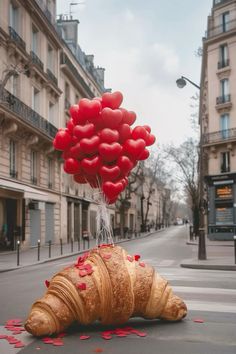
[77,115]
[139,133]
[70,126]
[72,166]
[134,148]
[111,118]
[91,165]
[76,152]
[111,189]
[90,146]
[89,108]
[109,173]
[84,131]
[109,135]
[128,117]
[80,179]
[109,152]
[144,155]
[148,129]
[124,133]
[62,140]
[112,100]
[150,139]
[125,164]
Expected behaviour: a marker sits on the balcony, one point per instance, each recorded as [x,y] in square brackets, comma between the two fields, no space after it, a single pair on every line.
[27,114]
[223,28]
[223,64]
[16,38]
[35,60]
[223,99]
[219,137]
[52,77]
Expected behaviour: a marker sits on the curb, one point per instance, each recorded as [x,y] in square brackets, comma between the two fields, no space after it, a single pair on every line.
[209,266]
[73,254]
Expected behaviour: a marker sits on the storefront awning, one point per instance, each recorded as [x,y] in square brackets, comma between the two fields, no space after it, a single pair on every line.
[29,192]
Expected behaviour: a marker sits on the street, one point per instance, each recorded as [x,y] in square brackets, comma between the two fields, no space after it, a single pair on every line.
[209,327]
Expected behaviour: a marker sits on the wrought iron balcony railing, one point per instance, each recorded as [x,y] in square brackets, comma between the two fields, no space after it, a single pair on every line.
[35,59]
[52,77]
[223,99]
[26,113]
[224,27]
[223,63]
[220,136]
[13,173]
[16,38]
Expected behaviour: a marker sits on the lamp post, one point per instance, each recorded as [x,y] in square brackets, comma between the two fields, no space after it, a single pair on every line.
[181,83]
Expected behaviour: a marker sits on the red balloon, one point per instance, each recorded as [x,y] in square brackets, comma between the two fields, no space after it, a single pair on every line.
[62,140]
[109,173]
[109,135]
[145,154]
[111,118]
[89,108]
[112,100]
[110,152]
[76,152]
[91,165]
[124,132]
[74,112]
[90,146]
[150,139]
[134,148]
[84,131]
[139,133]
[128,117]
[148,129]
[80,179]
[111,189]
[72,166]
[125,164]
[93,181]
[70,125]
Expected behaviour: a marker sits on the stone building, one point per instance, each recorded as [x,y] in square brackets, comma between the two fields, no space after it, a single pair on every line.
[218,121]
[45,71]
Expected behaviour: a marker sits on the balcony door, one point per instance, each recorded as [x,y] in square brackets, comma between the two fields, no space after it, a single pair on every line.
[225,21]
[14,17]
[224,125]
[224,90]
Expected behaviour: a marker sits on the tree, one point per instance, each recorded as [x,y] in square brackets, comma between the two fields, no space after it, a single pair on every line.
[185,158]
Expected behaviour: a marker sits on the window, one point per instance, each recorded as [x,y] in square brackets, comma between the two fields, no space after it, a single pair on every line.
[50,59]
[14,17]
[225,21]
[50,173]
[51,112]
[13,157]
[224,92]
[35,99]
[33,166]
[223,56]
[35,40]
[224,125]
[225,162]
[67,96]
[14,85]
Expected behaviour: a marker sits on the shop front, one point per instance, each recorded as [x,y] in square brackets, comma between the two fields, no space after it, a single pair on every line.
[221,207]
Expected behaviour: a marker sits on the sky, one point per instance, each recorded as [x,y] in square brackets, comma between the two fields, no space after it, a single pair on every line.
[145,46]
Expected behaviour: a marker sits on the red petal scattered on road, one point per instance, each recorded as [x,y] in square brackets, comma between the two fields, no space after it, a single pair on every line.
[98,350]
[198,320]
[3,336]
[19,345]
[84,337]
[58,344]
[107,337]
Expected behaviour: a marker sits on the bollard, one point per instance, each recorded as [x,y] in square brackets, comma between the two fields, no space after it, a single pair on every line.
[18,252]
[61,246]
[49,248]
[38,250]
[234,249]
[201,245]
[72,245]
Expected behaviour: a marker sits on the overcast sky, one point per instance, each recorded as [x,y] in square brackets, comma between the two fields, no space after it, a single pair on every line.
[144,46]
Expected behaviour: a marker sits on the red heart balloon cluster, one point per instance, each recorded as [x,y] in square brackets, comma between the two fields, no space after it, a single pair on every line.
[99,146]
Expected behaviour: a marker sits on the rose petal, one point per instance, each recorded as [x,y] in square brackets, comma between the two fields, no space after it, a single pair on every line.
[89,272]
[130,258]
[19,345]
[142,264]
[106,256]
[198,320]
[98,350]
[107,337]
[81,286]
[3,336]
[47,283]
[82,273]
[136,257]
[84,337]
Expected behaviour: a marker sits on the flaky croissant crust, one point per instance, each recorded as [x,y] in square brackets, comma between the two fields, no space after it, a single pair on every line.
[105,284]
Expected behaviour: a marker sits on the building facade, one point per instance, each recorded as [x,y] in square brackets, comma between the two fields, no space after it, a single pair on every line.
[218,121]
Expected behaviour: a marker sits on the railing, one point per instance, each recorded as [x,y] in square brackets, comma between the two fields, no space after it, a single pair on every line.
[223,99]
[221,135]
[13,173]
[16,38]
[26,113]
[52,77]
[223,63]
[64,60]
[224,27]
[35,59]
[34,180]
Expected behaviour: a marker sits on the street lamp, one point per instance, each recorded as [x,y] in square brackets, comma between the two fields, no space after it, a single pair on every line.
[181,83]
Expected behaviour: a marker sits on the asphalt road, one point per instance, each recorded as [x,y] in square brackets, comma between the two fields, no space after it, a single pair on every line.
[210,326]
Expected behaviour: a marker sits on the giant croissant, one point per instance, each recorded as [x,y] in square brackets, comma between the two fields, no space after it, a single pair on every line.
[105,284]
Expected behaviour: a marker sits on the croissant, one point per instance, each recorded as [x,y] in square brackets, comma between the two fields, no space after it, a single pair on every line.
[105,284]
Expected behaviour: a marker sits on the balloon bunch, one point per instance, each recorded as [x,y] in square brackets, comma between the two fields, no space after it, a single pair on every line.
[100,147]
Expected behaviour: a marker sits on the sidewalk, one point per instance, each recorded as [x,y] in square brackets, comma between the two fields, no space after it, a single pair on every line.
[219,254]
[8,260]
